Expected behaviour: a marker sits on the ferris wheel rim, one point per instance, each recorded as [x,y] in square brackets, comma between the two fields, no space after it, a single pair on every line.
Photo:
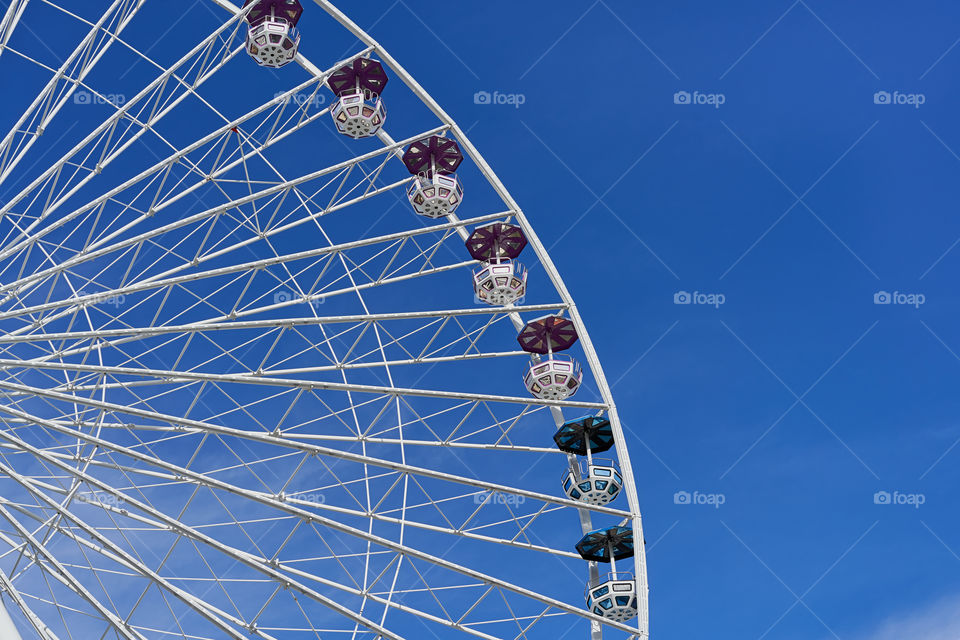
[592,358]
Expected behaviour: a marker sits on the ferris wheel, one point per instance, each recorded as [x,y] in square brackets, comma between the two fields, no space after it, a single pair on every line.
[276,365]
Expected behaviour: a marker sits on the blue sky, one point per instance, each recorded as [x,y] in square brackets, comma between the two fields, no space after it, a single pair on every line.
[798,199]
[790,165]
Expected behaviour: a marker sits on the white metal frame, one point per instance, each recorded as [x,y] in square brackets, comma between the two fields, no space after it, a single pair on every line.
[68,371]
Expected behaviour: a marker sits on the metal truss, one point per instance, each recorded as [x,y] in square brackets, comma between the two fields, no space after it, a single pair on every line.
[243,391]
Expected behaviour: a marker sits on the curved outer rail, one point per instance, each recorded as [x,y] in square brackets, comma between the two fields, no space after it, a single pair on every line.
[640,565]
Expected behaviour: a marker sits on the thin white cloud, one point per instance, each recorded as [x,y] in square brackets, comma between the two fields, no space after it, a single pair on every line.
[940,621]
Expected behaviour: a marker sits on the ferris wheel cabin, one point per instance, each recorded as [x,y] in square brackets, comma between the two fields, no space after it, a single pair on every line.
[272,35]
[435,191]
[613,596]
[499,280]
[359,111]
[556,376]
